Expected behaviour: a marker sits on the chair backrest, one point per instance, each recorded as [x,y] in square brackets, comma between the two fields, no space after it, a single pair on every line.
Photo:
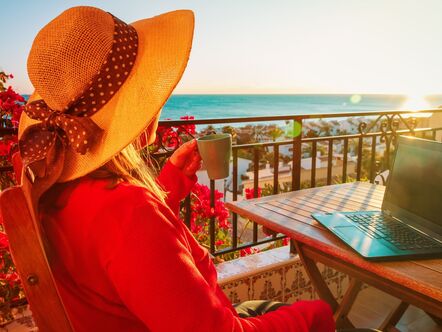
[31,262]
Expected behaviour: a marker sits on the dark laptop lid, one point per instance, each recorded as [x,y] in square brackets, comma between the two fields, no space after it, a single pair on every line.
[414,187]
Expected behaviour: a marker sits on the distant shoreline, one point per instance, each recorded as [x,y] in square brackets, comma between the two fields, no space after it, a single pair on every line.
[219,106]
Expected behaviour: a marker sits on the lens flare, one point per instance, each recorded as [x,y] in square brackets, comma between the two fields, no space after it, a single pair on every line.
[355,99]
[415,104]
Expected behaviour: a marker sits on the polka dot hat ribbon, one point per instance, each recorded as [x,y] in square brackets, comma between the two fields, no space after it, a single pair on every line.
[73,127]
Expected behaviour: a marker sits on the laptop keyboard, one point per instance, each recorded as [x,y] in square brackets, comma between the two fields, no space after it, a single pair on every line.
[381,226]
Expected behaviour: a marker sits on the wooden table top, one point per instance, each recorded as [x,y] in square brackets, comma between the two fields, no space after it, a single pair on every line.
[290,213]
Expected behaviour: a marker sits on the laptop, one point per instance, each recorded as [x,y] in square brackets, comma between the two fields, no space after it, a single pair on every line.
[410,222]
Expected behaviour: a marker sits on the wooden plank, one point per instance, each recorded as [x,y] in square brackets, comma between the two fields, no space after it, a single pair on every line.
[311,204]
[432,264]
[31,262]
[352,186]
[357,195]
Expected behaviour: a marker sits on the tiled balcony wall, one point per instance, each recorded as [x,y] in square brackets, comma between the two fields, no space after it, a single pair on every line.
[274,275]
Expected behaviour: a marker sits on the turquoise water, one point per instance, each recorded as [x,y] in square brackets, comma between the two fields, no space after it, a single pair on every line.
[225,106]
[245,106]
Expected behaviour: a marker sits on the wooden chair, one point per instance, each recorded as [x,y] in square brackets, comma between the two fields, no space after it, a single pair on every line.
[26,245]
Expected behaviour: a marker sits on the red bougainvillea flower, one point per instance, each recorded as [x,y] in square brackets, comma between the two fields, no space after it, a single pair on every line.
[250,192]
[187,129]
[12,279]
[196,228]
[8,146]
[202,212]
[171,137]
[4,243]
[248,251]
[201,206]
[4,148]
[11,105]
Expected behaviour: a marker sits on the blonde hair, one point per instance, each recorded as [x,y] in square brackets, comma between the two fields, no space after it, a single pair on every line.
[127,166]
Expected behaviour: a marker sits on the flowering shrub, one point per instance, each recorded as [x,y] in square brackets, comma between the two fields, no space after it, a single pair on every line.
[200,215]
[10,285]
[11,106]
[250,192]
[11,103]
[173,137]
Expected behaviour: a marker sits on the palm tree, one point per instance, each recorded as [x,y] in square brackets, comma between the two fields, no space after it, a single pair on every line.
[275,133]
[230,130]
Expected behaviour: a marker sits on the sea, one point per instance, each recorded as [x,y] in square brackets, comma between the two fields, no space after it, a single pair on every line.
[218,106]
[245,106]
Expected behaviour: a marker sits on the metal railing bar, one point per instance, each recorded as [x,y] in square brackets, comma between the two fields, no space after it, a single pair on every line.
[373,159]
[7,168]
[387,152]
[359,161]
[327,138]
[212,218]
[188,211]
[235,197]
[248,245]
[313,174]
[302,116]
[296,160]
[255,186]
[275,169]
[8,131]
[344,161]
[329,161]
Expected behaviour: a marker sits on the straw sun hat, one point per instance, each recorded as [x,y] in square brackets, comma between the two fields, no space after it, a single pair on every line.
[99,83]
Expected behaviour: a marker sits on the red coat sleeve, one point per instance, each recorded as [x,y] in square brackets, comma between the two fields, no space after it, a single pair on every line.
[176,184]
[155,275]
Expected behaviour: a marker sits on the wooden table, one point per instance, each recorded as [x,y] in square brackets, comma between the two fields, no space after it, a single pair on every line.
[416,282]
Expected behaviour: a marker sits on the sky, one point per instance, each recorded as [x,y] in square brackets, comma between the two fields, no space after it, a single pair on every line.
[277,46]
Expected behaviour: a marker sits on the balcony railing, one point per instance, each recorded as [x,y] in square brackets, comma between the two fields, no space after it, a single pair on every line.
[358,158]
[372,131]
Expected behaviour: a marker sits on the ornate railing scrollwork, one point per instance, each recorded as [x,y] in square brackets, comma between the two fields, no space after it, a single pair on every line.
[388,124]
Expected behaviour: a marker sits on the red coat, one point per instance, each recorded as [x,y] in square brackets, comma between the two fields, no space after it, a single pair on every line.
[124,262]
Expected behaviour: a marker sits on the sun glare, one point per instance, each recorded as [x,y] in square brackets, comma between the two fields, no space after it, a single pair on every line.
[416,104]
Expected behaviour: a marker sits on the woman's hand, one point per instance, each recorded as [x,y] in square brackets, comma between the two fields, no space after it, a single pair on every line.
[187,158]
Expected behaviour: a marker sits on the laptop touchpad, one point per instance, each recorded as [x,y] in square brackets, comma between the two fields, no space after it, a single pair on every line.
[361,242]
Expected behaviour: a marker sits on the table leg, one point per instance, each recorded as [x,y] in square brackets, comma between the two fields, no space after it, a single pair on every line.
[437,320]
[394,317]
[324,292]
[347,301]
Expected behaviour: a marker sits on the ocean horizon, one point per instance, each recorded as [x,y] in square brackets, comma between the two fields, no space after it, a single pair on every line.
[219,106]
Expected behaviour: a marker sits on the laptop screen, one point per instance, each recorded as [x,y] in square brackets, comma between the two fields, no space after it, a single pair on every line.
[415,183]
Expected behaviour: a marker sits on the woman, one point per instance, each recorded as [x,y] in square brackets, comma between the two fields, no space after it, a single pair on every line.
[121,258]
